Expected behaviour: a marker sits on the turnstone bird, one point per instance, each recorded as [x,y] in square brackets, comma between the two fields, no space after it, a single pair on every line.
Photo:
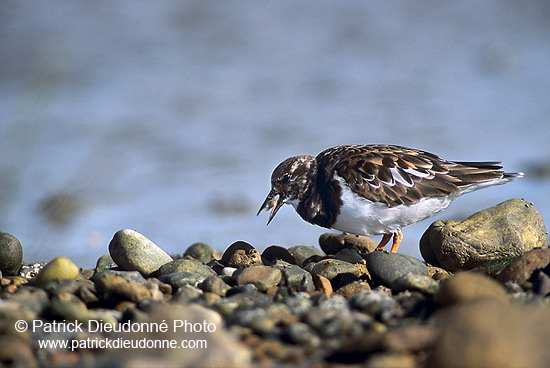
[375,189]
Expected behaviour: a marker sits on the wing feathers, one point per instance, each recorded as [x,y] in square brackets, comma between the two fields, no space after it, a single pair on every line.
[397,175]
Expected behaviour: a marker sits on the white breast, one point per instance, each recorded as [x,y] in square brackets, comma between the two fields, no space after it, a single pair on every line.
[361,216]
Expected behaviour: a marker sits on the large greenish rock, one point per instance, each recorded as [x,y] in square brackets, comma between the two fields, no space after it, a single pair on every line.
[502,232]
[134,252]
[11,254]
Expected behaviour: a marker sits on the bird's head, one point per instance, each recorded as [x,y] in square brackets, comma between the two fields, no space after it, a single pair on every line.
[290,182]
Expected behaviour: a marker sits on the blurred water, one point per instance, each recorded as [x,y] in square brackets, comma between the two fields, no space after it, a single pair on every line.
[168,117]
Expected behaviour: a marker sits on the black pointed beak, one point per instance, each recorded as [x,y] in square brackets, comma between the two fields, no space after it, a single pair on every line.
[272,203]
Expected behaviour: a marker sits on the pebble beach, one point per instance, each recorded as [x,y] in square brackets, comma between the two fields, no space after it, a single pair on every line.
[338,303]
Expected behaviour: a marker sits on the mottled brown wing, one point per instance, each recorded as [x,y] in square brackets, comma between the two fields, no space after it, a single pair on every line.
[397,175]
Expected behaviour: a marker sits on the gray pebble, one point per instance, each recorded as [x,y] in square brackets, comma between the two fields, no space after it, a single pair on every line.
[214,284]
[248,288]
[196,268]
[186,294]
[300,333]
[133,251]
[421,283]
[376,304]
[299,304]
[385,267]
[179,279]
[294,277]
[11,254]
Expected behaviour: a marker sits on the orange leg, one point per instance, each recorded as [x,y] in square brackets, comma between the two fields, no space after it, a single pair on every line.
[385,239]
[397,238]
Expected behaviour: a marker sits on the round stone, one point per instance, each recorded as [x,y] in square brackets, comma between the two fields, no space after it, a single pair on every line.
[200,251]
[469,286]
[134,252]
[11,254]
[59,268]
[385,267]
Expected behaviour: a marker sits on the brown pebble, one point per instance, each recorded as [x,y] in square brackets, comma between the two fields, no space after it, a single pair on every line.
[467,287]
[332,243]
[521,269]
[323,284]
[353,288]
[263,277]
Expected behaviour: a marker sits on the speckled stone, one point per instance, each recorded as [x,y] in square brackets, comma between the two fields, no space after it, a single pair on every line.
[11,254]
[134,252]
[294,277]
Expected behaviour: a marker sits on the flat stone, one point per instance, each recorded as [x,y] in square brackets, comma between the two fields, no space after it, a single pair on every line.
[502,232]
[333,243]
[59,268]
[332,268]
[467,287]
[134,252]
[422,283]
[179,279]
[263,277]
[385,267]
[201,271]
[11,254]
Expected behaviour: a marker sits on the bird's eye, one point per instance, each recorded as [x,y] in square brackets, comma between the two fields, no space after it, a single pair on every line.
[285,179]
